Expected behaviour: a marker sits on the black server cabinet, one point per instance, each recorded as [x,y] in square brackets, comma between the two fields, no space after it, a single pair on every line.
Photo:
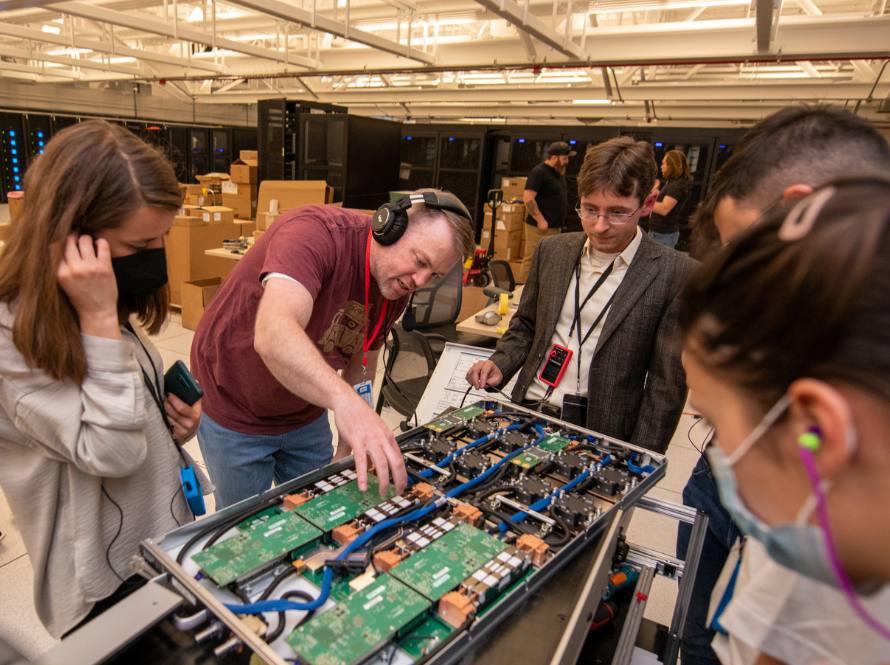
[199,152]
[39,128]
[372,162]
[13,144]
[60,122]
[357,156]
[222,150]
[178,152]
[271,134]
[419,160]
[243,138]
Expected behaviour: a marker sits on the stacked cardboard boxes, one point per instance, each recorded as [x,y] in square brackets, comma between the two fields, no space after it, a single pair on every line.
[240,193]
[186,242]
[278,196]
[508,234]
[513,188]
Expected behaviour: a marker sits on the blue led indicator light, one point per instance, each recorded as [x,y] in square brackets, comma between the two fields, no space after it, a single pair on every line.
[520,140]
[572,142]
[16,178]
[450,139]
[409,138]
[14,151]
[40,135]
[659,144]
[723,146]
[12,132]
[12,142]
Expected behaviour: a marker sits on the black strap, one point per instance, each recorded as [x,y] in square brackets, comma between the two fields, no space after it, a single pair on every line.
[155,390]
[576,320]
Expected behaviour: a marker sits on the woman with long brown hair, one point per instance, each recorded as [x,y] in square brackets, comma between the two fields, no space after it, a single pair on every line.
[668,223]
[89,445]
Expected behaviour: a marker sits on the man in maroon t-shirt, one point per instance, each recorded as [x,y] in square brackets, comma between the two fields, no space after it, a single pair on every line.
[289,317]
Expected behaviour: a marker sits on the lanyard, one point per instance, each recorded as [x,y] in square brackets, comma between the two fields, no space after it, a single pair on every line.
[366,340]
[154,389]
[580,306]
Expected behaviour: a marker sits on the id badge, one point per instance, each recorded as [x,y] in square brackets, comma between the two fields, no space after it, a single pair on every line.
[365,389]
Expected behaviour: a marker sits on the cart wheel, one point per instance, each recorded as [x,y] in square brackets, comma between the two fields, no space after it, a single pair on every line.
[482,280]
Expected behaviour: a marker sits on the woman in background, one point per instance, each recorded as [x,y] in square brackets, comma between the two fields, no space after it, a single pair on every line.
[787,354]
[670,212]
[89,444]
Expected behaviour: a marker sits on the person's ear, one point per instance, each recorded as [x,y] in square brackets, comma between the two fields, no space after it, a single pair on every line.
[794,192]
[648,203]
[822,421]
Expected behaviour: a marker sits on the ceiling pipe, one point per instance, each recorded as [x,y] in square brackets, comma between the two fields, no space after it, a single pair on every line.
[526,66]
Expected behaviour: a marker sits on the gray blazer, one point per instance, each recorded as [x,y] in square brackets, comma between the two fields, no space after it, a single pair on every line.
[636,385]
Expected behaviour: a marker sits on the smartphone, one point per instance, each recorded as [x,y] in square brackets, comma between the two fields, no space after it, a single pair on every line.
[180,382]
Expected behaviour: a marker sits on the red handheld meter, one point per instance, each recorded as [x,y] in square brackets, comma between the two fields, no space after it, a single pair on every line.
[556,365]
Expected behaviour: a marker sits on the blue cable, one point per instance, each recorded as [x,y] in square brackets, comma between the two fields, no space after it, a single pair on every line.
[426,473]
[413,516]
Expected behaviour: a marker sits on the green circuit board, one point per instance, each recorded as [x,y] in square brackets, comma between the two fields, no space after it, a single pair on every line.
[455,418]
[543,451]
[359,626]
[261,540]
[341,504]
[443,565]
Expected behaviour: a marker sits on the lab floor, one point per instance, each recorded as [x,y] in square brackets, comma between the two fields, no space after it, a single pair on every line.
[19,624]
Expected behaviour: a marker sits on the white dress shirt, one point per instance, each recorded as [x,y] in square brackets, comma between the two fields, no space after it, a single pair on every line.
[593,264]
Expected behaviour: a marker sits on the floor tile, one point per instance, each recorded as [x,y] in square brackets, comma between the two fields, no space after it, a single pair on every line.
[181,343]
[12,546]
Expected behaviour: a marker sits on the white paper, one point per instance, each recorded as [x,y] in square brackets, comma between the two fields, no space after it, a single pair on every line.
[448,382]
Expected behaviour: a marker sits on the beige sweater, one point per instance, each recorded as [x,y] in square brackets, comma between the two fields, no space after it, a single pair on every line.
[60,443]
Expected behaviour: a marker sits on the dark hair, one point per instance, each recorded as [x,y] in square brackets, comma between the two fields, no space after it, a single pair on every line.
[92,176]
[677,166]
[766,310]
[621,165]
[804,144]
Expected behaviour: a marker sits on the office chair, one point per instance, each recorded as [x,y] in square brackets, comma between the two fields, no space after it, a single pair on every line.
[502,275]
[408,365]
[433,310]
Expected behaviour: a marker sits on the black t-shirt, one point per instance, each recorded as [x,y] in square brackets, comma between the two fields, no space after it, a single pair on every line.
[679,190]
[551,199]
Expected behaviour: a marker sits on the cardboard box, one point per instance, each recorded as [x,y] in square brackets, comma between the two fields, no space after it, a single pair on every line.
[188,220]
[506,243]
[510,215]
[257,235]
[513,188]
[251,157]
[186,260]
[196,297]
[217,214]
[15,200]
[242,172]
[290,194]
[242,200]
[190,190]
[209,179]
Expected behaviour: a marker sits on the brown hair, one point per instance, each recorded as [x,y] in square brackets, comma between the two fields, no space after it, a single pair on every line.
[677,166]
[800,144]
[464,240]
[766,311]
[621,165]
[92,176]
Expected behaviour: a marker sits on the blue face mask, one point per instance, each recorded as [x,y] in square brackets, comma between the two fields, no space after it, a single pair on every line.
[798,546]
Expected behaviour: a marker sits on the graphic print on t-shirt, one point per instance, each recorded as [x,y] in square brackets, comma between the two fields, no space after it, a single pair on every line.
[345,331]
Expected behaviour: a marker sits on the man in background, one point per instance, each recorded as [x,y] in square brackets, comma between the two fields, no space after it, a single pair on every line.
[545,199]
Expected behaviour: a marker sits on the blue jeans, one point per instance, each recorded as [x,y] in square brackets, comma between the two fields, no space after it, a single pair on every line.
[242,465]
[701,493]
[667,239]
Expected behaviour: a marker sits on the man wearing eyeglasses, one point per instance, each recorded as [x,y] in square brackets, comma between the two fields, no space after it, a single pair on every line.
[594,337]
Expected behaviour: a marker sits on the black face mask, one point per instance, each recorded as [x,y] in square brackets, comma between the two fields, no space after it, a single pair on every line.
[142,273]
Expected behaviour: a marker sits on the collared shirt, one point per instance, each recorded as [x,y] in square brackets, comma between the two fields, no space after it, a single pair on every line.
[593,264]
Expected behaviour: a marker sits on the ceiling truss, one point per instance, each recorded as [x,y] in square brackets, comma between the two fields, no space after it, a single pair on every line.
[535,61]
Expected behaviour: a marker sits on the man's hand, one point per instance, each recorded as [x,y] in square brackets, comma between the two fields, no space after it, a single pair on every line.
[542,224]
[368,437]
[183,417]
[484,373]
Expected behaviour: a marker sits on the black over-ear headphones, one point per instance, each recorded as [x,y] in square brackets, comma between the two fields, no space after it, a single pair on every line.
[391,219]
